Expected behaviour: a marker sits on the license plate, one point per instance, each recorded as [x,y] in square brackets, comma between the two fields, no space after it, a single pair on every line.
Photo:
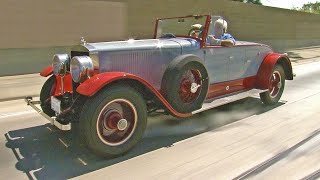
[55,104]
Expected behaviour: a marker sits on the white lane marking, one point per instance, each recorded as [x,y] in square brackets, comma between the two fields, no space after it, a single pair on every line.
[18,153]
[7,115]
[49,129]
[82,161]
[32,172]
[13,138]
[64,143]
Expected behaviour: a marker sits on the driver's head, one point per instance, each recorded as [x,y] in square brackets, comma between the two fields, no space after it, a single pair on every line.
[220,27]
[196,31]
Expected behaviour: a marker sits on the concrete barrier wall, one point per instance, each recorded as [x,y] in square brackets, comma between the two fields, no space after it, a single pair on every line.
[33,30]
[280,28]
[47,23]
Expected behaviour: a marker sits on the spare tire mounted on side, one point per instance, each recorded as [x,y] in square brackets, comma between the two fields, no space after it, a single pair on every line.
[185,83]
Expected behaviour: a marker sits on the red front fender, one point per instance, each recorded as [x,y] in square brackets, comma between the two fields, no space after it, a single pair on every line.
[67,81]
[97,82]
[267,65]
[46,71]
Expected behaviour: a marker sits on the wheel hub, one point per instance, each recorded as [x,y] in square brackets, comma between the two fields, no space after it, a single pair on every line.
[189,86]
[122,124]
[112,119]
[194,87]
[279,85]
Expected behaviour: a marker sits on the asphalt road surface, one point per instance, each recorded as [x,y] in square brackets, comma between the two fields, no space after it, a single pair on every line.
[237,141]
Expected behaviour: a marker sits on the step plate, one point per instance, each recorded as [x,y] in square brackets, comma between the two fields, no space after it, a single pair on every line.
[228,99]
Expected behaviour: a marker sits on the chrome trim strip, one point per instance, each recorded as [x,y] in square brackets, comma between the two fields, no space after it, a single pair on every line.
[52,120]
[228,99]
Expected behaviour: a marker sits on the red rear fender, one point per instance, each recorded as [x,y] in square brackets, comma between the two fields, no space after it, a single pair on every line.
[266,68]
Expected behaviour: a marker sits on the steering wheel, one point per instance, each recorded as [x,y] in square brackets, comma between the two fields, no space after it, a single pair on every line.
[168,35]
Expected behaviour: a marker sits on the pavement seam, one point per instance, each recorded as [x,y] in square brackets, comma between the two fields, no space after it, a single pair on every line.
[269,162]
[312,176]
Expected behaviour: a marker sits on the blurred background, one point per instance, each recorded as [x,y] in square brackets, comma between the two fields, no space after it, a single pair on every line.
[33,30]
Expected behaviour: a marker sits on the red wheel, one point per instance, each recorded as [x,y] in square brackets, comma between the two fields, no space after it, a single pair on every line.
[276,86]
[116,122]
[189,86]
[113,120]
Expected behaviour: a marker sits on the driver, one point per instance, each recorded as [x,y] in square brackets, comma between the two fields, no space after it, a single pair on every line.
[196,31]
[221,37]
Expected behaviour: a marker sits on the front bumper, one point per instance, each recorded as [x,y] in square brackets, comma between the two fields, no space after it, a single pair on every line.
[53,121]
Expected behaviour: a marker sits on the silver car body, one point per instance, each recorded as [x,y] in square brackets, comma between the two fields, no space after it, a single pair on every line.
[149,58]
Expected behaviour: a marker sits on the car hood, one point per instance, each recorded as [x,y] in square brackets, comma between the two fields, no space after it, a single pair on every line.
[146,44]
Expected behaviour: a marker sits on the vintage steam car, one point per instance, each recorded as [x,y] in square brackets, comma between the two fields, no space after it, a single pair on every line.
[106,90]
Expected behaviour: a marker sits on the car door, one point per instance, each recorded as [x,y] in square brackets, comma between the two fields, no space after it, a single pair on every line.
[237,63]
[216,61]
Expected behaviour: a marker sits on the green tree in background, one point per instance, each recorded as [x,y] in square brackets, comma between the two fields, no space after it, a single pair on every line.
[250,1]
[310,8]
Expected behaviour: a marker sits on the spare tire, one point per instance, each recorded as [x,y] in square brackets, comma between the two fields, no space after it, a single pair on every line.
[185,83]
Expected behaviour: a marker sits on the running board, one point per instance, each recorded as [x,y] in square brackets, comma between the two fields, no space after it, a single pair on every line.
[228,99]
[53,121]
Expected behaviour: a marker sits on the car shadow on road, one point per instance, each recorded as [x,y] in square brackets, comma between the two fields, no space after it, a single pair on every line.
[44,152]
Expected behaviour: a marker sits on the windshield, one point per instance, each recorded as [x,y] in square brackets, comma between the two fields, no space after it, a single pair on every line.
[192,26]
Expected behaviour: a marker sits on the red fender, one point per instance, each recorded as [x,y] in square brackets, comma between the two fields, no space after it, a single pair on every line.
[67,84]
[67,81]
[97,82]
[267,65]
[46,71]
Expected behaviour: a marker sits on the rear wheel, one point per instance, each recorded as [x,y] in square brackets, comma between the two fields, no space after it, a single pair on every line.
[114,120]
[47,91]
[276,86]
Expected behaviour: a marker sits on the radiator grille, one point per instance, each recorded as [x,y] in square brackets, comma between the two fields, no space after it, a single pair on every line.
[146,64]
[79,53]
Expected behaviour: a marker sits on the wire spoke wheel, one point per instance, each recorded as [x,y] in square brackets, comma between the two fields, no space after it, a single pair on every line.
[275,87]
[190,86]
[275,84]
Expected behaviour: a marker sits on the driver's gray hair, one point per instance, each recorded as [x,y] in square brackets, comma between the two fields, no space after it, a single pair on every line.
[223,23]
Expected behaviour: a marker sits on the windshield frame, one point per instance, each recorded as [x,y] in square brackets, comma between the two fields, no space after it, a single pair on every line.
[204,33]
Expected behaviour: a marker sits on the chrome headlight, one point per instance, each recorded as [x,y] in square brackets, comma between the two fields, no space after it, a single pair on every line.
[81,68]
[60,64]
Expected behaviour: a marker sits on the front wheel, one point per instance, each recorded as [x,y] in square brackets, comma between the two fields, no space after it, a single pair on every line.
[114,120]
[47,91]
[276,86]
